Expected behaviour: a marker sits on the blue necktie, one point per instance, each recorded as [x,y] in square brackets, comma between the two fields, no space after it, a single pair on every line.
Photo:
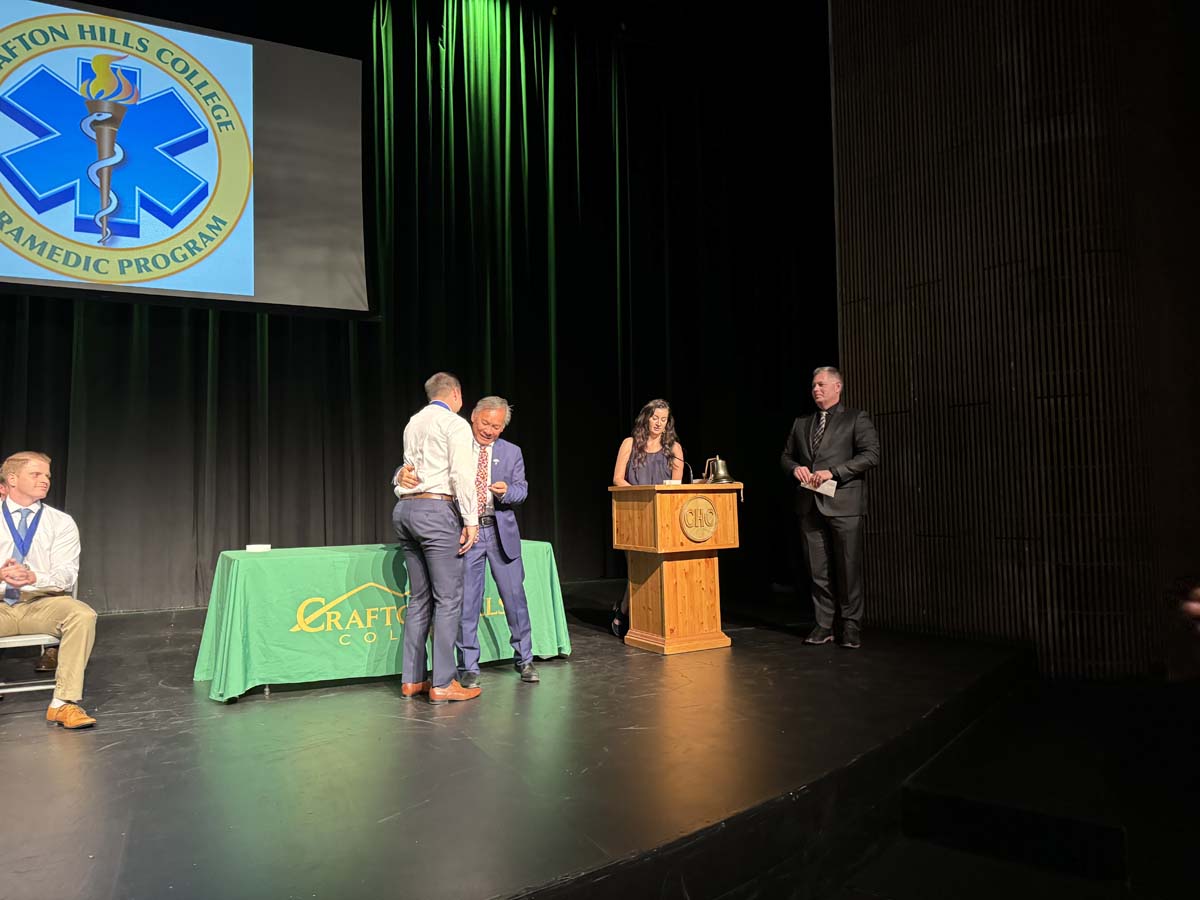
[12,595]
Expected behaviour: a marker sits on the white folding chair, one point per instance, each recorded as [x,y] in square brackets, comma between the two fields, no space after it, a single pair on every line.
[27,640]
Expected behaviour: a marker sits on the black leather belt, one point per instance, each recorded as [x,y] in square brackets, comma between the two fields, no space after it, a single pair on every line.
[487,521]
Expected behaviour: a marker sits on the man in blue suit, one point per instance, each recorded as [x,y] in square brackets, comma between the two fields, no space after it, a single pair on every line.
[500,487]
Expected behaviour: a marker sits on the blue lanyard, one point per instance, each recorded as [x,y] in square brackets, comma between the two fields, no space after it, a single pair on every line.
[442,404]
[22,544]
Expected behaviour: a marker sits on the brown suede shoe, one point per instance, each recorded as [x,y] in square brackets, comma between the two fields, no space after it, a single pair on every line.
[48,661]
[70,715]
[453,691]
[410,689]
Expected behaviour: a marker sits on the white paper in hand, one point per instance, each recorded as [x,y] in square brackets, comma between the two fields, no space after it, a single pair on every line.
[828,488]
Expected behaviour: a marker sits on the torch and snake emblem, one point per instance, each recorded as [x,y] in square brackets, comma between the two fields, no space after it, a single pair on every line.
[108,96]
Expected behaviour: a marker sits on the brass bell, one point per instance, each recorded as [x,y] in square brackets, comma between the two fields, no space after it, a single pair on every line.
[716,471]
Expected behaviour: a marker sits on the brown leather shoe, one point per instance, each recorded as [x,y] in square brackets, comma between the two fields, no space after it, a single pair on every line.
[70,715]
[453,691]
[410,689]
[48,661]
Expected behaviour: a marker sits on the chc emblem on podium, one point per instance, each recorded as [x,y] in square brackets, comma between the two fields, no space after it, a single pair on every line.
[698,519]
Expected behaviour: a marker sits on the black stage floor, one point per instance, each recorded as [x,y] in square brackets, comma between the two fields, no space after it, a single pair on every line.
[725,773]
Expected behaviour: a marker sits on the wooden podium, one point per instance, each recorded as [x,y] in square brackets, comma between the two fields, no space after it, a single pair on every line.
[672,533]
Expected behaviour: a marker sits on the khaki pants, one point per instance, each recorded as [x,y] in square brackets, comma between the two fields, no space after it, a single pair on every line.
[68,619]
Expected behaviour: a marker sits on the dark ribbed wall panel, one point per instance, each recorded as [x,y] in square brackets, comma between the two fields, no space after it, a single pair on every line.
[994,320]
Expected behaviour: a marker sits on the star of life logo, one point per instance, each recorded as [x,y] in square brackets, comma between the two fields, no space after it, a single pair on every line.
[122,159]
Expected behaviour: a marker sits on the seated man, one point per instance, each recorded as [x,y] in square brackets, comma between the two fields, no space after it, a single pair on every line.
[40,549]
[500,487]
[48,661]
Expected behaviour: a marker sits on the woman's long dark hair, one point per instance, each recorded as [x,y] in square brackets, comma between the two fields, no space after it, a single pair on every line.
[641,433]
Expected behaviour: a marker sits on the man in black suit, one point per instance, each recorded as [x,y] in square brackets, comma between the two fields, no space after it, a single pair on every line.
[836,444]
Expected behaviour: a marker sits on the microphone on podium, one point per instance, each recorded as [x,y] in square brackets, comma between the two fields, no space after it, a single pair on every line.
[691,475]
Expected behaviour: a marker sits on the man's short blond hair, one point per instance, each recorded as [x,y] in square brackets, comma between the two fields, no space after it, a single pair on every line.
[18,461]
[440,384]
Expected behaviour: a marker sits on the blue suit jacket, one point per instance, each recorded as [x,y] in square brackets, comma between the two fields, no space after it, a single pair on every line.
[508,465]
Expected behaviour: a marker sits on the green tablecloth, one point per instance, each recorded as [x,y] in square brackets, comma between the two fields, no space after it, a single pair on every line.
[290,616]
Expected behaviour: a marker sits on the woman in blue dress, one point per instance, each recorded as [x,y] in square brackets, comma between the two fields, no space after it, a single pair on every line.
[651,455]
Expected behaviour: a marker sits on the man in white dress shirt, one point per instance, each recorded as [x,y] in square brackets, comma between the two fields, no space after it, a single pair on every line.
[48,661]
[500,487]
[437,522]
[40,549]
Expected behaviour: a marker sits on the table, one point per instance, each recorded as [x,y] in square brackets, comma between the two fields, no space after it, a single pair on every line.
[292,616]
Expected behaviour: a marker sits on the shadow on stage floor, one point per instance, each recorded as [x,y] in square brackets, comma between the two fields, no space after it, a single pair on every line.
[763,770]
